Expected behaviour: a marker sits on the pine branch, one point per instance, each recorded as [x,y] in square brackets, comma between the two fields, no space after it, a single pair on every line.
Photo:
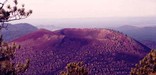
[3,4]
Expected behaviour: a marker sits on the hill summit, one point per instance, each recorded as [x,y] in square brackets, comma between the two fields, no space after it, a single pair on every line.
[104,51]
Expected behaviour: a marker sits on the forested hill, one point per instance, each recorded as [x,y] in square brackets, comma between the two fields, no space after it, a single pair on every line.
[104,51]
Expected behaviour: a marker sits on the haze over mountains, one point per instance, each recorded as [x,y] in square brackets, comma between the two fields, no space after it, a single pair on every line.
[93,22]
[104,51]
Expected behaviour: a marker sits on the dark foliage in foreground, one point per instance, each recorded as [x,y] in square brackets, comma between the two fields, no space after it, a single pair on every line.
[146,66]
[7,67]
[7,51]
[75,69]
[13,12]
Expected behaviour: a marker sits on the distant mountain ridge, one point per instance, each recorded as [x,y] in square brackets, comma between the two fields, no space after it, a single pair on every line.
[104,51]
[142,34]
[14,31]
[49,27]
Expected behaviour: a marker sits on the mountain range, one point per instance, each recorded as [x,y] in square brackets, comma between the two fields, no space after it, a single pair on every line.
[104,51]
[15,31]
[145,35]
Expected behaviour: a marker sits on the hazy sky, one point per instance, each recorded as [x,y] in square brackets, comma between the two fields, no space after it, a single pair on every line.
[90,8]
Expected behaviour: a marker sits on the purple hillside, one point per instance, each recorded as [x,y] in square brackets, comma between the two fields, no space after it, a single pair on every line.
[104,51]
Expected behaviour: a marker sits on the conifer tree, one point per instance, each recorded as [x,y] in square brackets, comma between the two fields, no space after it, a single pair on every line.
[75,69]
[7,50]
[147,66]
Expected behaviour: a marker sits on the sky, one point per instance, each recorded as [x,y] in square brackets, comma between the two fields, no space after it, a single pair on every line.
[61,9]
[90,8]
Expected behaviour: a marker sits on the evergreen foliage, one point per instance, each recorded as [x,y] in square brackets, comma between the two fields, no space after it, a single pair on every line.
[7,67]
[147,66]
[75,69]
[7,50]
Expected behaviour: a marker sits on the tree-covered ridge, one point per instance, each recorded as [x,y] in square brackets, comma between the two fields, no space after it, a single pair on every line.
[50,51]
[147,66]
